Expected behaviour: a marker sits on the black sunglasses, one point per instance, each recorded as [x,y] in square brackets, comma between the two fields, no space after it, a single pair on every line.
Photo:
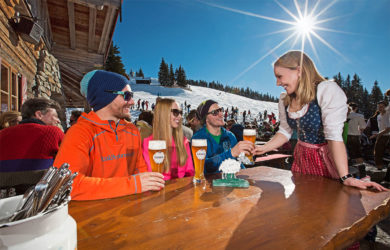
[127,95]
[215,112]
[177,112]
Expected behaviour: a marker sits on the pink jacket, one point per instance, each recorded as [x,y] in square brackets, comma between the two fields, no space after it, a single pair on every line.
[176,171]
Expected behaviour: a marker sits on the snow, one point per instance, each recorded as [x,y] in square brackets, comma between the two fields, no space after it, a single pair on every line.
[194,95]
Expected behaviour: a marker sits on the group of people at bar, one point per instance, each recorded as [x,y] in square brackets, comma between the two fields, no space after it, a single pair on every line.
[112,160]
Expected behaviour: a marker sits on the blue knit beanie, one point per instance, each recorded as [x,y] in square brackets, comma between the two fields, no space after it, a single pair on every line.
[94,84]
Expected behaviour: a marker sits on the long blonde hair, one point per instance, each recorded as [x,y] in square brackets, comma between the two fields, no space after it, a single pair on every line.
[309,76]
[162,130]
[8,117]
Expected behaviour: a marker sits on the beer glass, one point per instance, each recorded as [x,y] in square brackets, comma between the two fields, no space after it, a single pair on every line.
[157,151]
[250,135]
[199,149]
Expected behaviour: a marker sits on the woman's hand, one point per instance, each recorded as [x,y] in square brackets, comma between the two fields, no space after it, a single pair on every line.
[259,150]
[353,182]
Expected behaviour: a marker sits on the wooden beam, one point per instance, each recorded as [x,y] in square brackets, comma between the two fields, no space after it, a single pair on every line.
[106,29]
[70,74]
[72,79]
[111,26]
[71,85]
[97,3]
[69,82]
[92,28]
[69,69]
[78,59]
[77,99]
[48,30]
[72,29]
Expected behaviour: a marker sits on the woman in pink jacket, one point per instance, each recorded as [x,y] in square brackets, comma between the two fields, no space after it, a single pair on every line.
[167,126]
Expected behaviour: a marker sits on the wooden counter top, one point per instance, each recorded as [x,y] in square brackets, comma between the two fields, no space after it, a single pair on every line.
[278,210]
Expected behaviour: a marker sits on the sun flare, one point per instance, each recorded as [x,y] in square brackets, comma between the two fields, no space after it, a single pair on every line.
[303,26]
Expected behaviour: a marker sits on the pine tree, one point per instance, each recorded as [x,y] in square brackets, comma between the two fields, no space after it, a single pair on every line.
[163,74]
[375,96]
[182,80]
[180,77]
[347,87]
[131,73]
[171,76]
[177,75]
[114,61]
[356,90]
[140,73]
[364,107]
[339,79]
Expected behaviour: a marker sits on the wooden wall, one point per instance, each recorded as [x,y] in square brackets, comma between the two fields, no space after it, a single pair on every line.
[21,55]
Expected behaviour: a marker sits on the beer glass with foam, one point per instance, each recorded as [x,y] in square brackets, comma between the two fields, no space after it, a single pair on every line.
[250,135]
[199,149]
[157,152]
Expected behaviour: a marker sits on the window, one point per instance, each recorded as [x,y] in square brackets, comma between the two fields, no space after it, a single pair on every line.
[9,92]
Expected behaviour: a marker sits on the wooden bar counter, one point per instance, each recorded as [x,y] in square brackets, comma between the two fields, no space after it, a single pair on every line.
[279,210]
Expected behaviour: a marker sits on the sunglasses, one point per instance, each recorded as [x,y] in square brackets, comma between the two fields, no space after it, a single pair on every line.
[177,112]
[127,95]
[215,112]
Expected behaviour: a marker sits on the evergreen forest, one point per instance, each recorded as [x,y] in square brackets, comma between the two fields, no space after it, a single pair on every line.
[167,76]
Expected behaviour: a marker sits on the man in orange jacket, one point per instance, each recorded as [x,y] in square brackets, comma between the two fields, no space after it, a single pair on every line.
[103,147]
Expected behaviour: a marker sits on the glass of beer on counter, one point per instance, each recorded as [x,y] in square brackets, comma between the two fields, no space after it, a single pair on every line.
[157,153]
[199,149]
[250,135]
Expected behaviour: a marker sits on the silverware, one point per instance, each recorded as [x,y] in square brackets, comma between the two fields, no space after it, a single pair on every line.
[39,194]
[26,195]
[52,191]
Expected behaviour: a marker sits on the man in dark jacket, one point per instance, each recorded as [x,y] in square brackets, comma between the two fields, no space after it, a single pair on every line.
[221,144]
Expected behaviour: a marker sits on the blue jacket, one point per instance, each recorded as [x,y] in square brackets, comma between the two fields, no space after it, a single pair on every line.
[216,153]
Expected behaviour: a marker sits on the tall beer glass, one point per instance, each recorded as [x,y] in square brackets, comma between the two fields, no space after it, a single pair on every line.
[199,149]
[250,135]
[157,152]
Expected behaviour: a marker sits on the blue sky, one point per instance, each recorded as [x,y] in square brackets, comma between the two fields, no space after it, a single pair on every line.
[216,43]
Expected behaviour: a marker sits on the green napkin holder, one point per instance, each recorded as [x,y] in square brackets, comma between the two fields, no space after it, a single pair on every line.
[230,180]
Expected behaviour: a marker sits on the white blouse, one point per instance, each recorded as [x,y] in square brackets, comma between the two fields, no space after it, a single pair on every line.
[384,120]
[334,108]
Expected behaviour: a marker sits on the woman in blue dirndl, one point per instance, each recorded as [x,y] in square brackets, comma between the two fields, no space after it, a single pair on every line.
[317,109]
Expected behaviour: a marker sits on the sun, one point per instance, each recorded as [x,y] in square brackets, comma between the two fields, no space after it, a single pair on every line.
[305,25]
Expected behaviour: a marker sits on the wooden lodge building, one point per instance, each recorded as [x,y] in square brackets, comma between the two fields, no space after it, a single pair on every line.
[46,46]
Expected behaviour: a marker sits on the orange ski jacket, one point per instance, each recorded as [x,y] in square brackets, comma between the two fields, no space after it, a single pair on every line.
[107,157]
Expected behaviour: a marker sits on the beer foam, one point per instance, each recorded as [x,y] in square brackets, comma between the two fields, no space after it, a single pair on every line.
[230,166]
[156,145]
[249,132]
[199,142]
